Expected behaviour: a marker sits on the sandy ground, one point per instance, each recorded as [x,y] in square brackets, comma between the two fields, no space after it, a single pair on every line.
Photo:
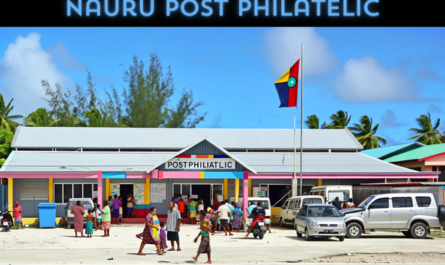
[395,258]
[59,246]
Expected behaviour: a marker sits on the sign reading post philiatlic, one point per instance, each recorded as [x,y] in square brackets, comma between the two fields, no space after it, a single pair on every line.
[190,163]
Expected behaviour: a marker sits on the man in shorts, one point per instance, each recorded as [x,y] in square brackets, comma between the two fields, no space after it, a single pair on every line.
[18,215]
[224,215]
[130,202]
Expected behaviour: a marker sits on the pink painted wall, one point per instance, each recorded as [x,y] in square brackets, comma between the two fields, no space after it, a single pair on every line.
[181,175]
[99,187]
[45,176]
[273,176]
[436,161]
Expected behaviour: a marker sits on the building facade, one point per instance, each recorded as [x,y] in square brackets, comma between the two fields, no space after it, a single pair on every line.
[55,164]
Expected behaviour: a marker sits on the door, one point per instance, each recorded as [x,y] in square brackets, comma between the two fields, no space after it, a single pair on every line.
[290,209]
[126,189]
[295,209]
[283,211]
[402,210]
[301,219]
[203,192]
[378,214]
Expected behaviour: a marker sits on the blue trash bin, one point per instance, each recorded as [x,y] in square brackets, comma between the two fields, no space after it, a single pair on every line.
[47,215]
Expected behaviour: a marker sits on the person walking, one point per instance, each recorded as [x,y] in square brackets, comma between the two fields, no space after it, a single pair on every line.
[224,215]
[237,217]
[152,232]
[130,202]
[78,212]
[106,219]
[204,247]
[18,215]
[231,208]
[116,206]
[173,225]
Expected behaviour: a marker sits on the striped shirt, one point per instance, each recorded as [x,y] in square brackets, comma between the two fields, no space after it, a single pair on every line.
[172,220]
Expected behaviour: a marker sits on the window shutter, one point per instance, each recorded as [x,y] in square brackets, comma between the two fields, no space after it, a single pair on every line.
[29,191]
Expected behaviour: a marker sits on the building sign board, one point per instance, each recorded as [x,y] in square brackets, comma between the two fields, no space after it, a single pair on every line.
[207,164]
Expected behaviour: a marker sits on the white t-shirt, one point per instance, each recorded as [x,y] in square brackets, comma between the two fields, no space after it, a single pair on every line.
[224,212]
[129,204]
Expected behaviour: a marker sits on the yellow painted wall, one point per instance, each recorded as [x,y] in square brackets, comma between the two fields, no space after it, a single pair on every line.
[10,194]
[319,182]
[107,189]
[236,189]
[226,189]
[147,191]
[35,221]
[250,187]
[275,212]
[51,190]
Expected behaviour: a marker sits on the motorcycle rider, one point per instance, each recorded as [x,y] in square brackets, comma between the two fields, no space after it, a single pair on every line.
[257,214]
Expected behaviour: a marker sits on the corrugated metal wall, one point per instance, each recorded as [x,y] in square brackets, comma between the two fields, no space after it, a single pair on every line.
[204,148]
[362,192]
[232,188]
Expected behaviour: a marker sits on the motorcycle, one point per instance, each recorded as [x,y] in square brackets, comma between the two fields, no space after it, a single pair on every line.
[6,220]
[259,230]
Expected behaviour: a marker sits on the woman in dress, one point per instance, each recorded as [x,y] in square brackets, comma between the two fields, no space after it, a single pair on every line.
[192,212]
[151,234]
[78,212]
[237,217]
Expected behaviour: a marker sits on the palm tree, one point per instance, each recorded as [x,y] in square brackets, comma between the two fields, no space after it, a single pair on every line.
[312,122]
[6,122]
[340,120]
[40,118]
[96,119]
[427,134]
[442,138]
[365,133]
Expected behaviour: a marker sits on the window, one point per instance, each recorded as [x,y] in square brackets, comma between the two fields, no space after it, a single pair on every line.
[291,204]
[402,202]
[177,189]
[322,194]
[312,201]
[423,201]
[323,211]
[380,204]
[64,192]
[285,205]
[297,204]
[303,210]
[343,195]
[34,191]
[264,204]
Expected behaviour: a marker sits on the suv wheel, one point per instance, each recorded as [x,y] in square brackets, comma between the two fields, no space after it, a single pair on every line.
[353,230]
[419,230]
[307,236]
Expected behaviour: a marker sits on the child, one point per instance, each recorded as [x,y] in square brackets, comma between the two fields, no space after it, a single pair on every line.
[163,237]
[120,210]
[214,220]
[204,247]
[89,226]
[98,217]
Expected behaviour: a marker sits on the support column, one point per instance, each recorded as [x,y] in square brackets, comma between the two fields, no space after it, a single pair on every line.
[245,192]
[237,190]
[319,182]
[107,189]
[51,190]
[10,194]
[226,189]
[250,187]
[99,188]
[147,195]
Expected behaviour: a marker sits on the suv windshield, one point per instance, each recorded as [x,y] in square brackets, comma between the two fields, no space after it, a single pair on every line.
[366,202]
[323,211]
[265,204]
[312,201]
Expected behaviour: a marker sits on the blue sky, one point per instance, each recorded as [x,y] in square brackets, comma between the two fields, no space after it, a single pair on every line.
[391,74]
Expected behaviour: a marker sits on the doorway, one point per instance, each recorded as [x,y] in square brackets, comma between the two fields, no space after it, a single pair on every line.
[203,192]
[125,189]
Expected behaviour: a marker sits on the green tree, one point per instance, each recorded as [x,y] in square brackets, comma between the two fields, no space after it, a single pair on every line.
[40,118]
[339,120]
[6,122]
[427,133]
[5,145]
[148,96]
[312,122]
[365,133]
[98,119]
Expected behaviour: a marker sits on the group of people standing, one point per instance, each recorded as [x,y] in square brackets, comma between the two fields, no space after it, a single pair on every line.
[116,206]
[97,218]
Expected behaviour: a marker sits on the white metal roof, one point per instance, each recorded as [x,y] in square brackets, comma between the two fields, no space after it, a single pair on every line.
[163,138]
[261,163]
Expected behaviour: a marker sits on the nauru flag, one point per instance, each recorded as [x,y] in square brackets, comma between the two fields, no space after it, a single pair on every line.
[287,86]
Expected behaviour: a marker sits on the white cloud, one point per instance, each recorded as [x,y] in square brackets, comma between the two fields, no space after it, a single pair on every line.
[24,65]
[283,49]
[366,80]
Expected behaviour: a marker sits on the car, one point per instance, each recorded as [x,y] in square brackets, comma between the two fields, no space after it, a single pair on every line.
[69,217]
[414,214]
[320,220]
[291,207]
[330,192]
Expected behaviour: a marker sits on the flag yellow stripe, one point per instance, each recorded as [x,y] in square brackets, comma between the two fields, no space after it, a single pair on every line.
[284,78]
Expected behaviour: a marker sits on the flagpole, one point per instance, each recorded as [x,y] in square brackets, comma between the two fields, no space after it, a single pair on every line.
[294,179]
[301,131]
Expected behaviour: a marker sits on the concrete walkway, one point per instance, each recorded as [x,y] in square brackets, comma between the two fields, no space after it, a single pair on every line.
[59,246]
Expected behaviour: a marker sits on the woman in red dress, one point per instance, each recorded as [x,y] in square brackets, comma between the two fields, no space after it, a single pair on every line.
[78,212]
